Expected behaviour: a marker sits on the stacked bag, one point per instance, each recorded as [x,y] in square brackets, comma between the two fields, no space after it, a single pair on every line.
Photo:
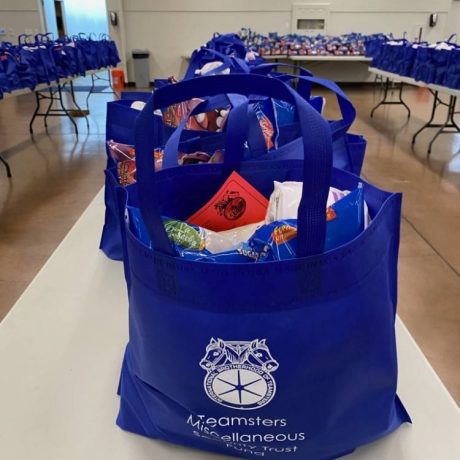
[262,280]
[436,63]
[41,59]
[273,44]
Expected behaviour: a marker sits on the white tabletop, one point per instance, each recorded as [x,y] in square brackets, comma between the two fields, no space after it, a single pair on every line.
[410,81]
[61,348]
[331,58]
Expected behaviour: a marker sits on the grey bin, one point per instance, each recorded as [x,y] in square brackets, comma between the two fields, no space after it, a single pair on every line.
[141,68]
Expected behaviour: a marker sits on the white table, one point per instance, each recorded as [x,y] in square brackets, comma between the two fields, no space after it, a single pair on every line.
[449,126]
[61,348]
[53,93]
[331,58]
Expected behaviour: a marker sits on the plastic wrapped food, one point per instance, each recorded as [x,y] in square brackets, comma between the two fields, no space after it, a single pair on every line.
[278,240]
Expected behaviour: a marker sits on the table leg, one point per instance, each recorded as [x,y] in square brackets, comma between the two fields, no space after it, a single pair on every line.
[37,108]
[449,123]
[385,94]
[91,90]
[428,123]
[50,105]
[72,94]
[61,102]
[7,166]
[402,102]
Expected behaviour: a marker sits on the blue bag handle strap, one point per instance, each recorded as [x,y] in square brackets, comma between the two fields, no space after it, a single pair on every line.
[228,61]
[317,147]
[23,36]
[347,108]
[237,124]
[452,36]
[267,67]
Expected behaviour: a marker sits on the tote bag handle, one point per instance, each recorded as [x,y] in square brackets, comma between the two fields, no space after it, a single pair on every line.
[347,109]
[317,147]
[237,129]
[267,67]
[228,62]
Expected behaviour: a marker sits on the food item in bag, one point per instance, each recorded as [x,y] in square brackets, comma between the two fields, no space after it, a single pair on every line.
[285,199]
[256,242]
[138,105]
[193,242]
[213,120]
[126,170]
[119,151]
[235,204]
[278,240]
[266,117]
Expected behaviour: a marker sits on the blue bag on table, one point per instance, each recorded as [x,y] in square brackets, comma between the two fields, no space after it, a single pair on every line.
[294,357]
[431,64]
[120,124]
[452,75]
[348,149]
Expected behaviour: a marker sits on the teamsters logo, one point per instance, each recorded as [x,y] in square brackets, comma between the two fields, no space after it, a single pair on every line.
[239,373]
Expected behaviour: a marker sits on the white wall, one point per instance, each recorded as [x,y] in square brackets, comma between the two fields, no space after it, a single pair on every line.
[453,20]
[173,28]
[18,17]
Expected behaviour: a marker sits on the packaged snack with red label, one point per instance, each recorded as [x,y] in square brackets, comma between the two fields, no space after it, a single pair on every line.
[235,204]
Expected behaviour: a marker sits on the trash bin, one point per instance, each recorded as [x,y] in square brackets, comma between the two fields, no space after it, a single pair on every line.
[141,68]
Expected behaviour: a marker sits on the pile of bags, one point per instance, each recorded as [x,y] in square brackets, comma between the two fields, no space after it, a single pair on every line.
[435,63]
[352,44]
[260,267]
[41,59]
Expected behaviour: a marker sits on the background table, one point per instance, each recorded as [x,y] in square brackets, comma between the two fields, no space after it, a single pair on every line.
[449,126]
[61,348]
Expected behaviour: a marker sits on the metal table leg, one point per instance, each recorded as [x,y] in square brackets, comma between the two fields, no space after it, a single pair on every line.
[428,124]
[37,108]
[7,166]
[387,101]
[91,90]
[84,113]
[52,94]
[449,123]
[61,102]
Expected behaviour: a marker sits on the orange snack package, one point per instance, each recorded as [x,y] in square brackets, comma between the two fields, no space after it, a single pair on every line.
[235,204]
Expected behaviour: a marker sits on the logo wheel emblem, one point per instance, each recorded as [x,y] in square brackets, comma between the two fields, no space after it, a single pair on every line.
[238,373]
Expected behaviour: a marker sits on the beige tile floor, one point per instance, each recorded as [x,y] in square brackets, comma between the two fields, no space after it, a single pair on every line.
[55,178]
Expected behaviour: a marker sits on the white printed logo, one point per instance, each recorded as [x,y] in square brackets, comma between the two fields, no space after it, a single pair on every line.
[239,373]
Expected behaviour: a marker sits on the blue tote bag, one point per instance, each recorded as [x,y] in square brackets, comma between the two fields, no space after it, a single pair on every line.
[348,149]
[292,359]
[120,124]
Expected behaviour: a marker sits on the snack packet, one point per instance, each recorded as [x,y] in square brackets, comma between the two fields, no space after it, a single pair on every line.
[193,242]
[285,199]
[235,204]
[278,240]
[126,170]
[119,151]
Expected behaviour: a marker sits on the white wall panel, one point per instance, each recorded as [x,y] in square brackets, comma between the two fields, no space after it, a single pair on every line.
[173,28]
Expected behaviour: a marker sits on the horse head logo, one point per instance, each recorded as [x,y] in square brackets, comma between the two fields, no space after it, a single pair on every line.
[215,355]
[259,355]
[238,373]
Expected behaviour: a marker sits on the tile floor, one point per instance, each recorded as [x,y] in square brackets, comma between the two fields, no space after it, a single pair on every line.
[55,177]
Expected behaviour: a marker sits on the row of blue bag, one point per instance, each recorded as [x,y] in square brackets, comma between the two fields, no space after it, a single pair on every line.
[351,44]
[435,63]
[349,148]
[295,357]
[41,59]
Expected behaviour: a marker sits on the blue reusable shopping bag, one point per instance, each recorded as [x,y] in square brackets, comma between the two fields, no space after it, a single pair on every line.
[291,359]
[348,149]
[120,124]
[452,75]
